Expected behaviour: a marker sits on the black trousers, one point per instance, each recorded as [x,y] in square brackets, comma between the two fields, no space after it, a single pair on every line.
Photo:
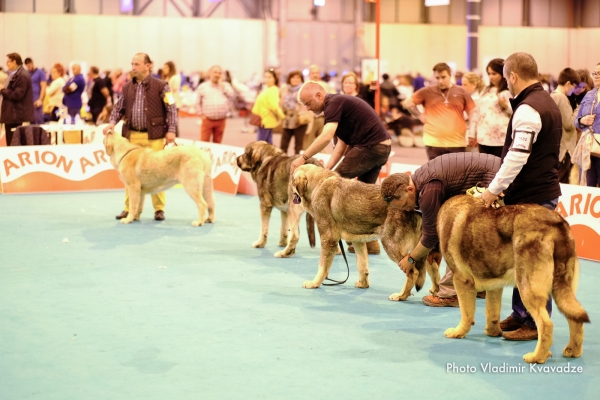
[495,150]
[364,163]
[8,128]
[433,152]
[298,135]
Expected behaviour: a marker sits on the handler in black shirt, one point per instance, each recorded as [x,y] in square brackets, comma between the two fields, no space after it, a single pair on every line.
[362,138]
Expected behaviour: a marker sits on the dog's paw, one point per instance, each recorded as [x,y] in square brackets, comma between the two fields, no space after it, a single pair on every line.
[453,333]
[259,244]
[361,285]
[398,296]
[493,332]
[282,243]
[209,220]
[197,223]
[572,352]
[285,253]
[533,358]
[310,285]
[126,220]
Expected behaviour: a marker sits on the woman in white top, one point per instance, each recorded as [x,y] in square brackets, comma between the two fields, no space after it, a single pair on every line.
[54,91]
[490,119]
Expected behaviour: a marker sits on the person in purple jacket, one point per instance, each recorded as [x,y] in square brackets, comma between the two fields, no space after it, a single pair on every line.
[73,90]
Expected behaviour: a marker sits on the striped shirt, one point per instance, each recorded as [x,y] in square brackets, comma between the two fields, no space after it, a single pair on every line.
[139,121]
[213,101]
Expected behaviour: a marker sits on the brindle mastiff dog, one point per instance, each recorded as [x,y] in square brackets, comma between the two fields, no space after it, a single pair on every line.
[355,211]
[145,171]
[527,246]
[270,169]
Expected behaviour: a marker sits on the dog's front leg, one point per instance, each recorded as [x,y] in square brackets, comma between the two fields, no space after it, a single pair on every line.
[328,249]
[265,217]
[433,270]
[362,261]
[134,204]
[408,285]
[283,231]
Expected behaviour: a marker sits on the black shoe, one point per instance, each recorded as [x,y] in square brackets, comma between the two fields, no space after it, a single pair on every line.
[159,215]
[124,214]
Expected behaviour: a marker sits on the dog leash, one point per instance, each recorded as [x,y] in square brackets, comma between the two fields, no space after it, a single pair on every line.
[174,144]
[347,266]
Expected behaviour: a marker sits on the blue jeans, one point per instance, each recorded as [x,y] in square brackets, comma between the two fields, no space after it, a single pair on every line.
[520,312]
[39,115]
[265,134]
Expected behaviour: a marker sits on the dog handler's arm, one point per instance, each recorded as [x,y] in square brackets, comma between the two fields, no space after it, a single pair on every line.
[338,153]
[115,116]
[527,124]
[171,116]
[319,144]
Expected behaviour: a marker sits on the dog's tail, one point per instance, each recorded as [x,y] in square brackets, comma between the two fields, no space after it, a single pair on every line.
[310,228]
[564,283]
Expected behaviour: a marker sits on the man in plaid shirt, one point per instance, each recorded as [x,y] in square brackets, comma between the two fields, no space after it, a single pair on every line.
[214,98]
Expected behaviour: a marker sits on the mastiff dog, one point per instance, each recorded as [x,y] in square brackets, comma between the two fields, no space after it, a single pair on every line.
[527,246]
[145,171]
[355,211]
[270,169]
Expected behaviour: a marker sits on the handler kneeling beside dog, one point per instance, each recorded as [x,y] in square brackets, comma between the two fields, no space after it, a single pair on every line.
[429,187]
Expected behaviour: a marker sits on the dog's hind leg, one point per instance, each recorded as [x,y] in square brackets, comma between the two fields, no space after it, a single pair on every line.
[575,346]
[328,248]
[293,219]
[493,303]
[536,305]
[134,204]
[209,197]
[194,190]
[265,217]
[362,262]
[283,230]
[465,289]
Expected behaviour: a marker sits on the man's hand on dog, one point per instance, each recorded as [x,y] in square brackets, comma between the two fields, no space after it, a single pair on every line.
[434,256]
[489,197]
[297,162]
[170,138]
[405,266]
[109,128]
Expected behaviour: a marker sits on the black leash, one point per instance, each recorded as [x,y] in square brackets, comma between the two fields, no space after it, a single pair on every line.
[348,267]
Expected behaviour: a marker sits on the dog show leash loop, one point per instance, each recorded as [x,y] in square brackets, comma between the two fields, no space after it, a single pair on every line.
[347,266]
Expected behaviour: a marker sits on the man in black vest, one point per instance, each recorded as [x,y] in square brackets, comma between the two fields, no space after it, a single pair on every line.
[363,141]
[427,189]
[150,118]
[529,171]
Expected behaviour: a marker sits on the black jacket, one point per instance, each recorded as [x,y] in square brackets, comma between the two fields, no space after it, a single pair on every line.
[17,102]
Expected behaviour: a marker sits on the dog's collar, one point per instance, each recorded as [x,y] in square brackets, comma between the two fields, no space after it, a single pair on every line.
[125,155]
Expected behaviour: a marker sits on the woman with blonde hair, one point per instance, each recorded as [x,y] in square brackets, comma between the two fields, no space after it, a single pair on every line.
[487,129]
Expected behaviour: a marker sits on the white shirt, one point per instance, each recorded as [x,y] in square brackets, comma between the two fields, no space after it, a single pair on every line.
[525,119]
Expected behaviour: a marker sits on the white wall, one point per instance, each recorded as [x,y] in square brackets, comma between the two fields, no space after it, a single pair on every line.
[414,47]
[110,41]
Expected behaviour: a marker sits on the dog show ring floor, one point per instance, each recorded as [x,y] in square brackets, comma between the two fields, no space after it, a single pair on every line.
[93,309]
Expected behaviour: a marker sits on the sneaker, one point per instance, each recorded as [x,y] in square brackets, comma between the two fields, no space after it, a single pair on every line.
[435,301]
[525,332]
[510,324]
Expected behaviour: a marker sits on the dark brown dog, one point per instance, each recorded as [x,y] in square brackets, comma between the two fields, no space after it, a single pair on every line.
[270,169]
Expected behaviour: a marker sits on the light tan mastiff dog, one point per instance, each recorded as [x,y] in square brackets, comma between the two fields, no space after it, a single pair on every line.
[527,246]
[355,211]
[145,171]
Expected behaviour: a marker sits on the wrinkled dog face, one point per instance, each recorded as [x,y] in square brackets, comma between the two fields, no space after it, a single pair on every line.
[248,160]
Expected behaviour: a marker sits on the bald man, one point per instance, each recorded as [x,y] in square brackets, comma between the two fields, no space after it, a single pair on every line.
[73,90]
[363,141]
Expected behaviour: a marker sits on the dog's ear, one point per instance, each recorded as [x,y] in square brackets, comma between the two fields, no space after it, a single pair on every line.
[255,156]
[109,144]
[301,183]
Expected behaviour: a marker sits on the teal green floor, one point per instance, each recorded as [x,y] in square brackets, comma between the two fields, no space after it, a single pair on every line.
[167,311]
